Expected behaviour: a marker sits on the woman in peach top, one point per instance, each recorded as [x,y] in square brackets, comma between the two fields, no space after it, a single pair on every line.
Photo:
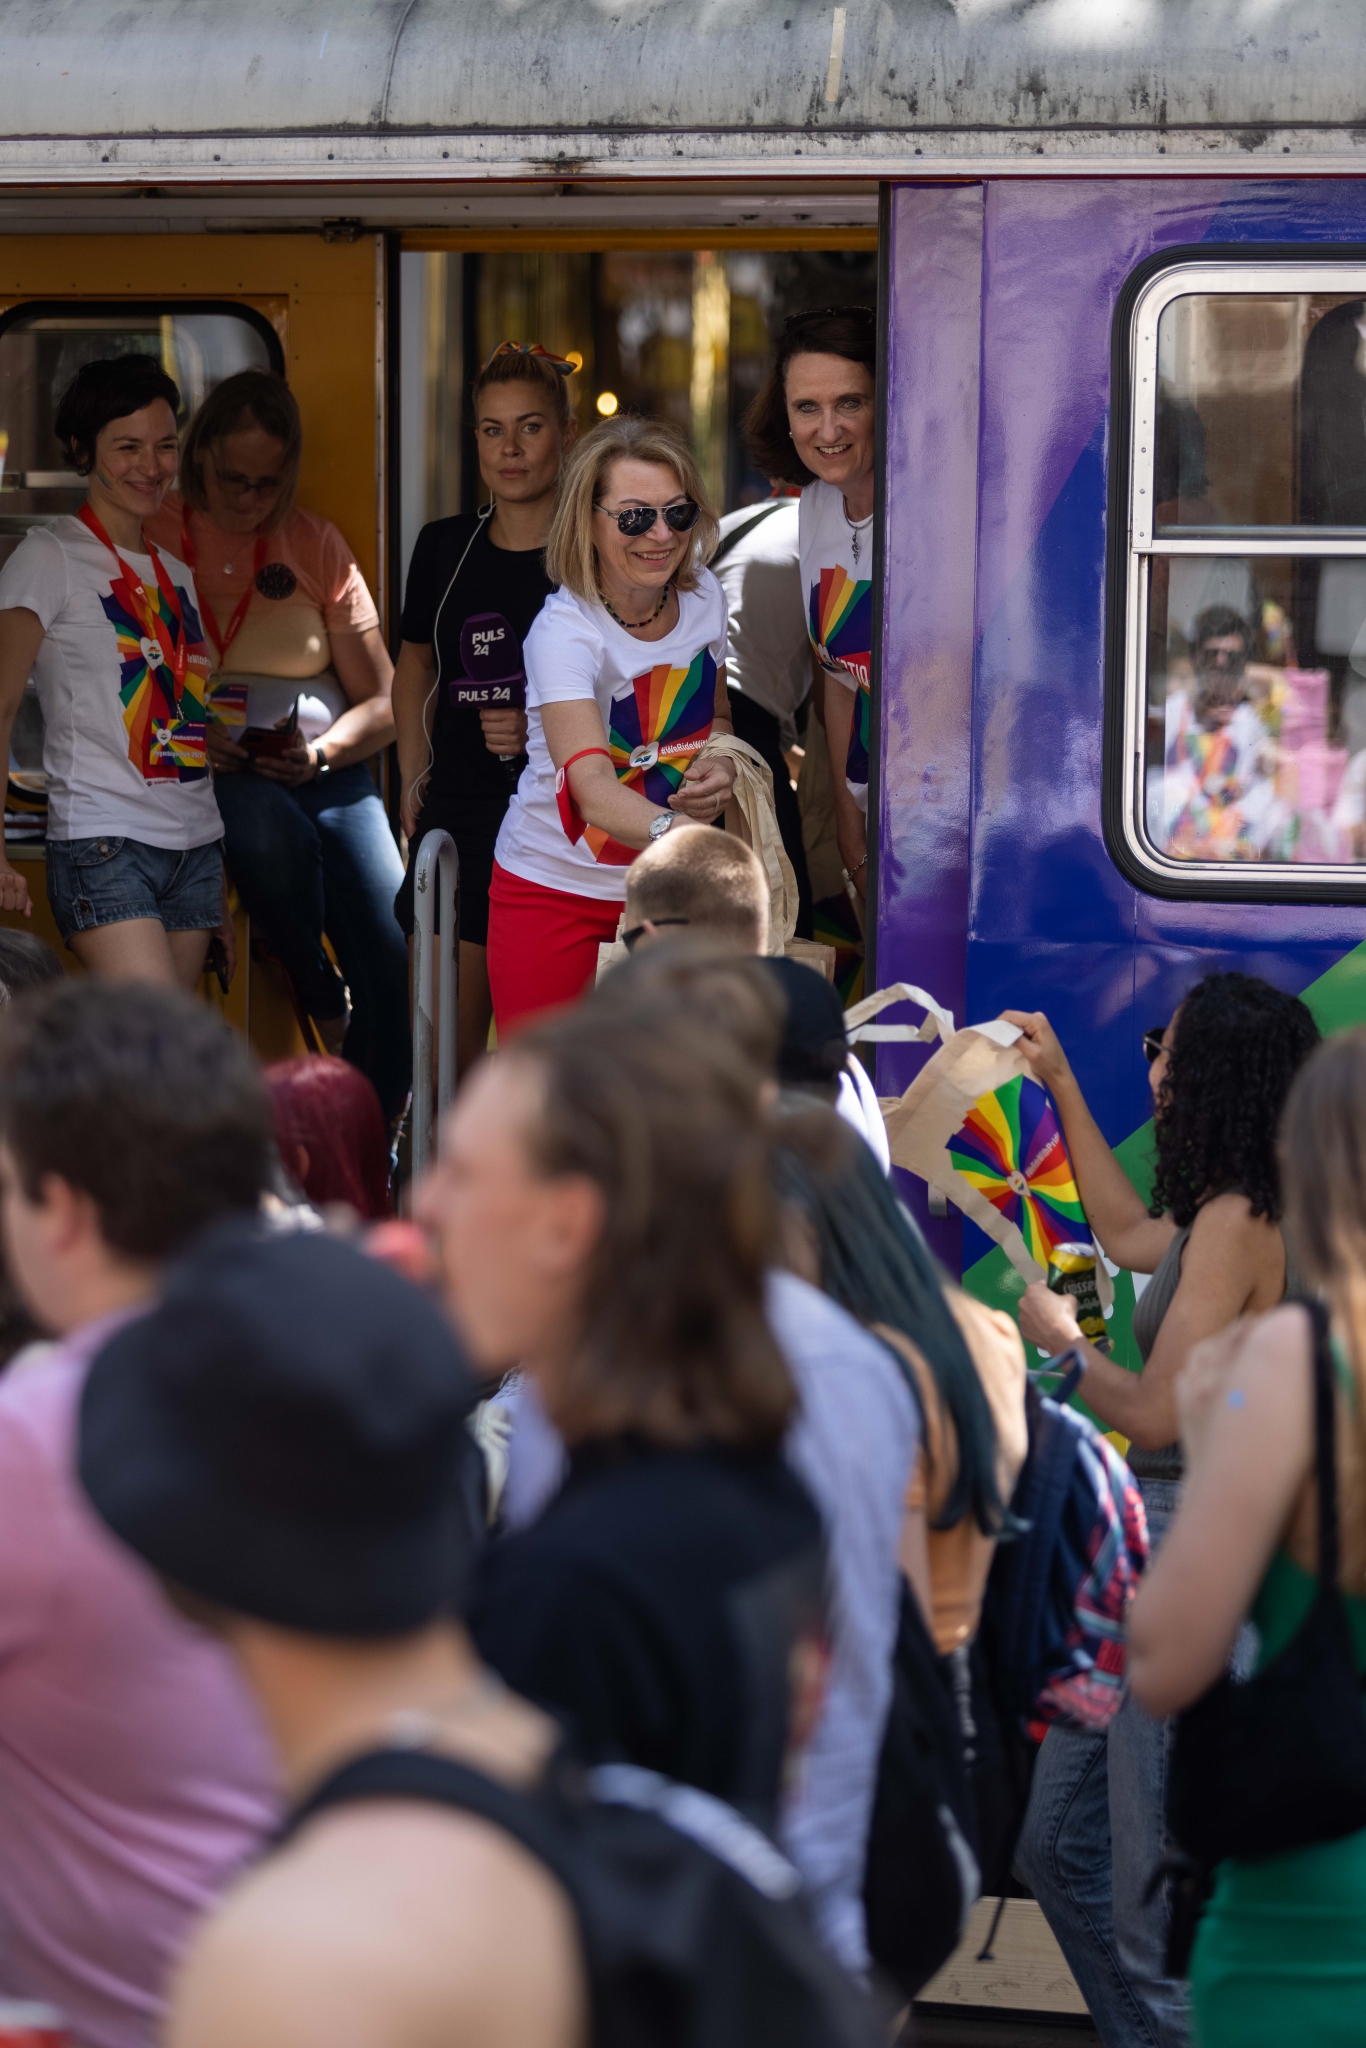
[299,705]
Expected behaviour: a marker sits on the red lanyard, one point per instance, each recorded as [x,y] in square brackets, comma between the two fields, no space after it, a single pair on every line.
[223,641]
[153,651]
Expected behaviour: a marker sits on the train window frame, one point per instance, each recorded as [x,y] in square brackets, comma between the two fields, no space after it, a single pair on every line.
[107,308]
[1132,546]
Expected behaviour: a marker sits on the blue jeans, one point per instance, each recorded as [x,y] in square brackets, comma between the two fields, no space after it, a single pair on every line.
[321,858]
[1094,1834]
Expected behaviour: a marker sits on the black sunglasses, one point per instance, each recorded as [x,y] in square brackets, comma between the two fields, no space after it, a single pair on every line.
[637,932]
[638,519]
[1153,1047]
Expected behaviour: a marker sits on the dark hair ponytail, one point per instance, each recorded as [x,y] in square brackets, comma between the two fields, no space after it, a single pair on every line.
[875,1264]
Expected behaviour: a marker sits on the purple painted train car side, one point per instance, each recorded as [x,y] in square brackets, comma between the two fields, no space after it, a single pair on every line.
[1002,683]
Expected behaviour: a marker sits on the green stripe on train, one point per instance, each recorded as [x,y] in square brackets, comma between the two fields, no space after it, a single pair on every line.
[1337,1000]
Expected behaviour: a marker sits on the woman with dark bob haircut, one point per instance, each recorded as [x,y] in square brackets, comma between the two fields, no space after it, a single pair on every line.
[299,707]
[604,1215]
[815,424]
[108,623]
[1220,1073]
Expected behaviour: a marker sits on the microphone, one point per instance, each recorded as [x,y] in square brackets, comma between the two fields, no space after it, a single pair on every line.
[494,676]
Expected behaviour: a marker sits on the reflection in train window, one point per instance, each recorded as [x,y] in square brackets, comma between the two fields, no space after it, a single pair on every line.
[1253,753]
[1261,416]
[1247,620]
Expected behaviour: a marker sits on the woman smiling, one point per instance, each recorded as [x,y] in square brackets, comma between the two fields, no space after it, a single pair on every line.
[815,423]
[110,627]
[626,680]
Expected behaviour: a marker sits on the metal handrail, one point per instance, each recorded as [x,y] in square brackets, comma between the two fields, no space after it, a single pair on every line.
[437,852]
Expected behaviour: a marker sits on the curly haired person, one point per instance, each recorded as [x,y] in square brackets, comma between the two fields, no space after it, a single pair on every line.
[1220,1073]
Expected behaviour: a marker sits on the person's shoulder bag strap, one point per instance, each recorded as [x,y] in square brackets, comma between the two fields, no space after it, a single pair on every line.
[739,533]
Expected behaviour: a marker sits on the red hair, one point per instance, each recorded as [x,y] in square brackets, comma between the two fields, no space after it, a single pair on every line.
[329,1110]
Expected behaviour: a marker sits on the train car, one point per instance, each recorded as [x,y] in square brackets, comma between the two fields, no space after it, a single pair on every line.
[1121,274]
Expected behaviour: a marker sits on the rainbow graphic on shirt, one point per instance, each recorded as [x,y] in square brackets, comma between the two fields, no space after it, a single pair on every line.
[840,621]
[657,727]
[165,727]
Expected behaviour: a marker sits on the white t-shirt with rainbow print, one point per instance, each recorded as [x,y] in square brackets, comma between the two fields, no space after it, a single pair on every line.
[657,699]
[838,589]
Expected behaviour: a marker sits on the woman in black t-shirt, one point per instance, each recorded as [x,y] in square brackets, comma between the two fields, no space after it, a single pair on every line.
[603,1210]
[473,574]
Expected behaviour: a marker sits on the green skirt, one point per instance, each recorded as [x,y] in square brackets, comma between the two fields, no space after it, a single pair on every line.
[1280,1956]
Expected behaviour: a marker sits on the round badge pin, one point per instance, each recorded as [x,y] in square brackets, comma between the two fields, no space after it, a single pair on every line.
[644,757]
[151,653]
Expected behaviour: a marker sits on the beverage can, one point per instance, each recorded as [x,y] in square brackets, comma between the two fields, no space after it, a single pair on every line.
[1072,1270]
[27,2025]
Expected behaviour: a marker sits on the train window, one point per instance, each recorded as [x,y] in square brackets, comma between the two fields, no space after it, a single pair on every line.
[43,344]
[1245,742]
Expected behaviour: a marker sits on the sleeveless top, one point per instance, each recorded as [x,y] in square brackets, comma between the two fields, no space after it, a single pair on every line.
[1149,1314]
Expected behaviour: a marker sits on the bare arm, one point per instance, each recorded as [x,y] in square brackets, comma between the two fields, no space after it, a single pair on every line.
[21,635]
[414,706]
[851,827]
[1114,1208]
[366,673]
[1231,1259]
[607,803]
[601,799]
[1247,1420]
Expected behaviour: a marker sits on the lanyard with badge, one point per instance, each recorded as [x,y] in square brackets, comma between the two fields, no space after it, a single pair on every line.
[222,641]
[153,653]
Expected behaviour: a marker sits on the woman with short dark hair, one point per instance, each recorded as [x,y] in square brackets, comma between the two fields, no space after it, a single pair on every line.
[299,706]
[604,1214]
[815,424]
[109,625]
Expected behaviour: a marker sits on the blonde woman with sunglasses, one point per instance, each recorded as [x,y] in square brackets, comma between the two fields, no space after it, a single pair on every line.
[626,680]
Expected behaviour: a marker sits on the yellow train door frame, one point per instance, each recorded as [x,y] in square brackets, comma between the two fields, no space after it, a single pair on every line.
[327,304]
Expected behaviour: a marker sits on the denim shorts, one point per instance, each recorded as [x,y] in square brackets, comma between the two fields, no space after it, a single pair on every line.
[91,882]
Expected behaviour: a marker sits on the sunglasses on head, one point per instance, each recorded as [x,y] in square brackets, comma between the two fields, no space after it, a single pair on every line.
[637,932]
[1153,1047]
[638,519]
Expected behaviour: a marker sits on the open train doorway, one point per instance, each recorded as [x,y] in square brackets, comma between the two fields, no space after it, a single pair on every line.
[654,327]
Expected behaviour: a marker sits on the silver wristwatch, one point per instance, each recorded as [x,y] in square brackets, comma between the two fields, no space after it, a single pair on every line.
[659,826]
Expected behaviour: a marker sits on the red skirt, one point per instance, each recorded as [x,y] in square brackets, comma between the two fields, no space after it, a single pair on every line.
[543,946]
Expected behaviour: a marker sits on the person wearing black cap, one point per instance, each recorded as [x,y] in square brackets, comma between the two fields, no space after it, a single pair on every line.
[815,1056]
[283,1441]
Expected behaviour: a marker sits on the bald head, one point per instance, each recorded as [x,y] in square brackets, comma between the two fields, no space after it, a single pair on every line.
[705,879]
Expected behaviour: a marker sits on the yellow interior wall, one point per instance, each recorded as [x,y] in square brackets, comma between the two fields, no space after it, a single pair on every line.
[321,298]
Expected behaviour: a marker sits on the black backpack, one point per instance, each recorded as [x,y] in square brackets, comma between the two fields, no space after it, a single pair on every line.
[921,1877]
[693,1933]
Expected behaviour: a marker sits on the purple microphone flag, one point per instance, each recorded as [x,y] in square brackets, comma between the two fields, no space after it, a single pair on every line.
[492,655]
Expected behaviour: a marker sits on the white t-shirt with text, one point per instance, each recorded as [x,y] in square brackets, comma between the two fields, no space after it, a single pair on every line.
[838,586]
[657,700]
[123,745]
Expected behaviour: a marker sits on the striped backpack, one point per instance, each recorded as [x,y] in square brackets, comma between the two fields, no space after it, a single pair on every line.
[1054,1615]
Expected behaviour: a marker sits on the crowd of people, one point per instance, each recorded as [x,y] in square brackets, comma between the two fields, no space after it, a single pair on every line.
[548,1616]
